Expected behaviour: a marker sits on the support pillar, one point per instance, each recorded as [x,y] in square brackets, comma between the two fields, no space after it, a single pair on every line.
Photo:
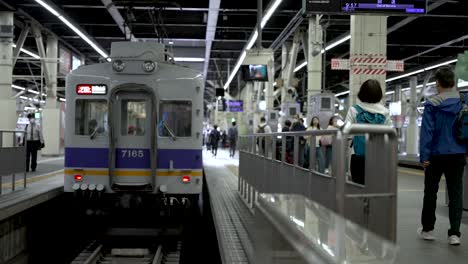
[51,114]
[7,103]
[314,62]
[412,131]
[368,38]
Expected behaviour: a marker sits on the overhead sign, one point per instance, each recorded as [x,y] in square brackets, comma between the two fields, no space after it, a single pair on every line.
[346,7]
[235,105]
[91,89]
[368,64]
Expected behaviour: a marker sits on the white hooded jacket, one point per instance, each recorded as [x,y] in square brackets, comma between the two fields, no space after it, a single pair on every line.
[377,108]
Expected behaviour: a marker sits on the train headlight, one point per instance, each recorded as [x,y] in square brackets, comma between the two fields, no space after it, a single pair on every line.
[149,66]
[118,65]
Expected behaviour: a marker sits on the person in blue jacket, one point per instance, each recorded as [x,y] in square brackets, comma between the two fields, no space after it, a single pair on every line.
[440,153]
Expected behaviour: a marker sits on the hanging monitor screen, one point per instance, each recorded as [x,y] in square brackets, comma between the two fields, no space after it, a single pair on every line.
[384,6]
[254,72]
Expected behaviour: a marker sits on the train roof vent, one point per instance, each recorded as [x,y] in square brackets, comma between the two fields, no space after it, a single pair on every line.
[137,51]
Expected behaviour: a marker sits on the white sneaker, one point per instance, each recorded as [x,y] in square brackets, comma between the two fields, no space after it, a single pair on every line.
[426,235]
[454,240]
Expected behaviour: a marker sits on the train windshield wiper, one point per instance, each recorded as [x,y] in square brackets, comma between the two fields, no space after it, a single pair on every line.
[170,131]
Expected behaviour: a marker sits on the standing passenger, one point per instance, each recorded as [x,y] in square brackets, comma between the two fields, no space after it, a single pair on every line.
[440,153]
[232,133]
[34,142]
[214,138]
[262,128]
[369,110]
[298,126]
[326,142]
[315,146]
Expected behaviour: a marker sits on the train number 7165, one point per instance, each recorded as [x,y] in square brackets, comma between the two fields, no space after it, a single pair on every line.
[128,153]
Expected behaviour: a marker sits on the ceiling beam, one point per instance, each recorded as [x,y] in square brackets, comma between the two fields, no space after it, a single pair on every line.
[210,31]
[115,14]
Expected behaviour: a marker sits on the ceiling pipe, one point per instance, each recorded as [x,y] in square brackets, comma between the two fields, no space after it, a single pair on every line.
[210,31]
[114,12]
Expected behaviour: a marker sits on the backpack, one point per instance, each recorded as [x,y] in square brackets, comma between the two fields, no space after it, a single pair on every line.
[261,129]
[462,122]
[365,117]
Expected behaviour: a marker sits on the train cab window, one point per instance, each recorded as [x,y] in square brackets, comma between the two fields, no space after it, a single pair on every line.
[175,119]
[133,117]
[91,117]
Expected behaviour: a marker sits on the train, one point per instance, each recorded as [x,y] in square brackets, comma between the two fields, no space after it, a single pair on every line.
[134,126]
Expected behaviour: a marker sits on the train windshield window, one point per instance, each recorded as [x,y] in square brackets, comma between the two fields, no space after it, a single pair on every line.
[175,116]
[133,117]
[91,117]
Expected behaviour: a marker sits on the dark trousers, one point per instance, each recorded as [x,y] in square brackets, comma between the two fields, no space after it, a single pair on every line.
[452,166]
[31,154]
[214,148]
[358,169]
[232,148]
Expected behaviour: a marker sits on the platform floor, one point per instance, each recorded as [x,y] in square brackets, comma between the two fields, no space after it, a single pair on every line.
[44,184]
[410,194]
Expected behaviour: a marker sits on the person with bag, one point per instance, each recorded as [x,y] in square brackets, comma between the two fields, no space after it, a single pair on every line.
[214,140]
[442,151]
[34,142]
[369,110]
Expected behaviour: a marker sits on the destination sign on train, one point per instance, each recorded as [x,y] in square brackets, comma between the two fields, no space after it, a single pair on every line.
[91,89]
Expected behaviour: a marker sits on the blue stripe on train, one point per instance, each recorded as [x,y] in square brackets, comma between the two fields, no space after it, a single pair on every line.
[98,158]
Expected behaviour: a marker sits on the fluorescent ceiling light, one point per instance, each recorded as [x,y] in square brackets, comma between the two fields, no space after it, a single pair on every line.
[18,87]
[338,42]
[186,59]
[270,12]
[72,27]
[341,94]
[33,92]
[62,99]
[236,68]
[48,7]
[29,108]
[252,40]
[253,37]
[440,64]
[302,65]
[404,75]
[34,55]
[390,92]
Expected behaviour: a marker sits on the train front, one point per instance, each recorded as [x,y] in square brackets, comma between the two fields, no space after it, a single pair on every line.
[134,127]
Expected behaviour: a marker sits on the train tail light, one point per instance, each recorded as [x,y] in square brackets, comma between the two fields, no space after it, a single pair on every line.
[78,177]
[185,179]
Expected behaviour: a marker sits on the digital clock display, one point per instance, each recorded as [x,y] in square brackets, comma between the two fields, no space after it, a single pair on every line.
[349,7]
[384,6]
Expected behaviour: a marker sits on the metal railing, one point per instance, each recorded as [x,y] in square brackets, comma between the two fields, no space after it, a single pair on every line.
[275,163]
[12,157]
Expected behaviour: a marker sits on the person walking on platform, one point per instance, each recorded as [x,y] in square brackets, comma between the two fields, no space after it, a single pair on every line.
[34,142]
[214,140]
[441,153]
[369,110]
[232,134]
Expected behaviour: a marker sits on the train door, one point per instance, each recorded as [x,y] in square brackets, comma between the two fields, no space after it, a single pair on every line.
[132,149]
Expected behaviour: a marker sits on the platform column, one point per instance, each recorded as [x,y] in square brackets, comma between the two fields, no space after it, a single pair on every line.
[412,131]
[51,114]
[7,103]
[314,62]
[368,38]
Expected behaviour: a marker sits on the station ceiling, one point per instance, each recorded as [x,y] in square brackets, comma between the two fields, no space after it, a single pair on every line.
[182,25]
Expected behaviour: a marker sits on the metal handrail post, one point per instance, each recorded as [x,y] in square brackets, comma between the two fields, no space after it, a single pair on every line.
[339,170]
